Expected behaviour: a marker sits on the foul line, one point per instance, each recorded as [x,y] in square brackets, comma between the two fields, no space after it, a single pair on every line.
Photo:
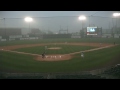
[63,54]
[90,50]
[21,52]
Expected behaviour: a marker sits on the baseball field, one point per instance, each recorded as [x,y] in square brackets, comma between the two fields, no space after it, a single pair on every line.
[62,55]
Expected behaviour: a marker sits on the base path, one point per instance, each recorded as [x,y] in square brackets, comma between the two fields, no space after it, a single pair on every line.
[55,57]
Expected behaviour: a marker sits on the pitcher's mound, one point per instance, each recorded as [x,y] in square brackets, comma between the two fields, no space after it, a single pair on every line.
[54,48]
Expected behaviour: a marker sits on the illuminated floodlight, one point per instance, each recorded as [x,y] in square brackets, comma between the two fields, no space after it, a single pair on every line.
[28,19]
[82,17]
[116,14]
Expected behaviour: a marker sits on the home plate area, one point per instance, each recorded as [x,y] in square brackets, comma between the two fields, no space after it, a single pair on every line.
[54,57]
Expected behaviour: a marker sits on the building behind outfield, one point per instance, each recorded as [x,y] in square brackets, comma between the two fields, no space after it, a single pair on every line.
[6,32]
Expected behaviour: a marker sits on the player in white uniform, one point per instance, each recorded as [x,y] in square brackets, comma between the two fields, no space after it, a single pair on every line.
[82,55]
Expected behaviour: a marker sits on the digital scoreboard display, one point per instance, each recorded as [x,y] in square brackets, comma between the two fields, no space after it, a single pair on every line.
[92,31]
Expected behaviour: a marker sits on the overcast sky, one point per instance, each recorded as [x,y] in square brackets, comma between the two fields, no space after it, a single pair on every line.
[22,14]
[55,23]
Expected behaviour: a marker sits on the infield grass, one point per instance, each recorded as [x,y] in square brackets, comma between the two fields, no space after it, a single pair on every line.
[65,49]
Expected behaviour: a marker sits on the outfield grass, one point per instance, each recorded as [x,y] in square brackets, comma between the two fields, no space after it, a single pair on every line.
[96,40]
[13,62]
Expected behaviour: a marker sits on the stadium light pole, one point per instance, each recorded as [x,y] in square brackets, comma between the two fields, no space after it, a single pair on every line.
[28,19]
[116,15]
[82,18]
[89,20]
[5,28]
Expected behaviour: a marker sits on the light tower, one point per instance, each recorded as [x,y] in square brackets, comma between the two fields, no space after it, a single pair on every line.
[28,20]
[82,18]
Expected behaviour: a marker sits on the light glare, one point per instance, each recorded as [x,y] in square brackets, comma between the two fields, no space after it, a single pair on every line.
[116,14]
[82,17]
[28,19]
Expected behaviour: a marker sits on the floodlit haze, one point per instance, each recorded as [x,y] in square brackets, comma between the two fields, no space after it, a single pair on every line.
[22,14]
[54,20]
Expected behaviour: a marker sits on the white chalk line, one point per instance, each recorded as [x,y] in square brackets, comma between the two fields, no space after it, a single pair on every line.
[90,50]
[63,54]
[21,52]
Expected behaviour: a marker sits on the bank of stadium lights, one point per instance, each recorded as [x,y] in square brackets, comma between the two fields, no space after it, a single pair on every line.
[82,17]
[28,19]
[116,14]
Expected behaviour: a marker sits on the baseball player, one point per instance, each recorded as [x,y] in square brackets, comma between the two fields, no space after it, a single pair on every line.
[82,55]
[43,55]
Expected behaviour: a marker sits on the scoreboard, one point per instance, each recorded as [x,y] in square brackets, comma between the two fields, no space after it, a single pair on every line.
[95,31]
[92,31]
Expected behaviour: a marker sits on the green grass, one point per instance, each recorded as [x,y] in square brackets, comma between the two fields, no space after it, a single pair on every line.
[65,49]
[13,62]
[96,40]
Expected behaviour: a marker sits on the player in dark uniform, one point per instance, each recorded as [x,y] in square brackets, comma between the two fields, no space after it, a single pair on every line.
[43,55]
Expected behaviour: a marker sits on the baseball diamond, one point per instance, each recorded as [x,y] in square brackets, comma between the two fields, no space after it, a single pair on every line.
[60,46]
[59,57]
[54,57]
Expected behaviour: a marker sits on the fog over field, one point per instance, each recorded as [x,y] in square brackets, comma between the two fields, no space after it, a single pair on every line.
[56,20]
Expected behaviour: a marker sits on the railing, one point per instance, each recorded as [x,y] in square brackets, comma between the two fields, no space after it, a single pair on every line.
[59,75]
